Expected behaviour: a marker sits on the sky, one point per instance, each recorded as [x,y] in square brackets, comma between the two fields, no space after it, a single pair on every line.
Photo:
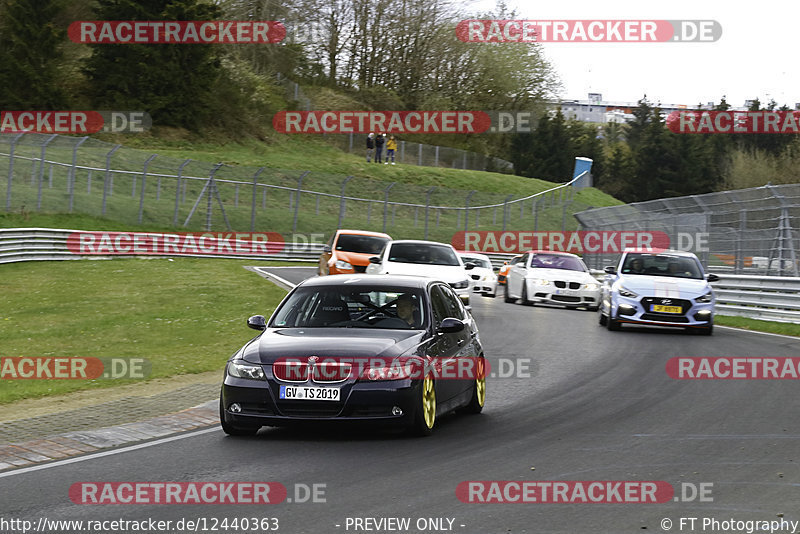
[755,57]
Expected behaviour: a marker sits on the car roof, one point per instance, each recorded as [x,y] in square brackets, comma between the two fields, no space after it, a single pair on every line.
[421,242]
[390,280]
[363,232]
[682,253]
[474,255]
[554,252]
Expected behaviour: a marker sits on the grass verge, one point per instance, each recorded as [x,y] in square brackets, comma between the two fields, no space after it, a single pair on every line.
[184,315]
[788,329]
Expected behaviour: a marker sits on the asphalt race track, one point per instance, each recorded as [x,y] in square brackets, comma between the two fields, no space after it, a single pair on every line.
[597,405]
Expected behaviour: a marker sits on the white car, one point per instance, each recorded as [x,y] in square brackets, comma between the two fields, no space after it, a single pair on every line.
[658,289]
[423,258]
[553,278]
[484,278]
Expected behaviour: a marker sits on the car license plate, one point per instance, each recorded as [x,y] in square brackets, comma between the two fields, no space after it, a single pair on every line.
[565,291]
[666,309]
[309,393]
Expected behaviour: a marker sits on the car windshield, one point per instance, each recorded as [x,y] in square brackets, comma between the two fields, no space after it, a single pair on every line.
[662,265]
[365,244]
[557,261]
[478,262]
[423,253]
[352,307]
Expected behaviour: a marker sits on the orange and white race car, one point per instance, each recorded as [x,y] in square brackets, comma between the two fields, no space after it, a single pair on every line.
[348,251]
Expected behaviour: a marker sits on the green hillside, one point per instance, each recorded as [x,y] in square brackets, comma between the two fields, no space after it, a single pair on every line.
[285,159]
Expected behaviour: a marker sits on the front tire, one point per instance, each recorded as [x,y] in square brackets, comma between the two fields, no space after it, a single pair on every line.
[508,299]
[233,430]
[525,301]
[613,325]
[425,418]
[603,320]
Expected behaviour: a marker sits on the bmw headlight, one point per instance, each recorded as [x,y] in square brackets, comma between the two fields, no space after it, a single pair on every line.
[591,286]
[624,292]
[343,265]
[542,282]
[705,298]
[239,369]
[460,285]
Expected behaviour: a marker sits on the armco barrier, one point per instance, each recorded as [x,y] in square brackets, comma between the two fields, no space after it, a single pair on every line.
[771,298]
[32,244]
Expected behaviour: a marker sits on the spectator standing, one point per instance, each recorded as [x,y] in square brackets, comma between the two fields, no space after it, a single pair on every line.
[379,147]
[370,146]
[391,146]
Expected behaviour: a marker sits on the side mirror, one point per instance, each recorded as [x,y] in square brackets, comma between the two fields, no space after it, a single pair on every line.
[496,269]
[712,278]
[610,270]
[450,325]
[326,249]
[469,266]
[375,259]
[257,322]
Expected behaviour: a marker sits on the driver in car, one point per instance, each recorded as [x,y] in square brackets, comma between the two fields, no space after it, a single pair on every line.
[637,266]
[406,309]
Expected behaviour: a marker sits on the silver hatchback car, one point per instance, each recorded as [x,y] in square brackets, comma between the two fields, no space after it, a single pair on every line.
[659,289]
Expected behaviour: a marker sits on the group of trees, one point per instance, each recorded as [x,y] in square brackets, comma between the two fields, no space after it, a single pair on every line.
[644,160]
[41,69]
[400,55]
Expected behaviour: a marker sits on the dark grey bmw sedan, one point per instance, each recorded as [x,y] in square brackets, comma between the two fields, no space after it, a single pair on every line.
[387,350]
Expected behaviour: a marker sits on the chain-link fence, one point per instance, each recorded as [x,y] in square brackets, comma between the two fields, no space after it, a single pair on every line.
[409,153]
[62,174]
[294,92]
[746,231]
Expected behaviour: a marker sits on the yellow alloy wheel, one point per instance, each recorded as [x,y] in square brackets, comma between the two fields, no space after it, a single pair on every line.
[428,402]
[480,383]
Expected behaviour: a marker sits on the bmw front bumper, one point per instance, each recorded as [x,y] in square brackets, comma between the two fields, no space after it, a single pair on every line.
[362,401]
[550,294]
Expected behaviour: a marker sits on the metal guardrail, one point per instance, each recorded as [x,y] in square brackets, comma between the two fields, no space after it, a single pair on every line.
[37,244]
[744,230]
[771,298]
